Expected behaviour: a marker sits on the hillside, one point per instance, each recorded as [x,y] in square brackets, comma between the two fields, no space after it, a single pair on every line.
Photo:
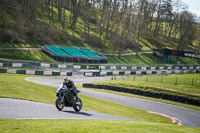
[103,27]
[35,23]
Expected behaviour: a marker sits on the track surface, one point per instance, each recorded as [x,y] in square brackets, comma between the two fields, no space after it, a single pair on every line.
[21,109]
[186,116]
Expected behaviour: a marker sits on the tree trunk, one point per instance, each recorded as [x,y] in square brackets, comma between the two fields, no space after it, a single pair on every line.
[156,28]
[86,16]
[138,41]
[52,12]
[49,8]
[59,10]
[63,22]
[100,27]
[75,10]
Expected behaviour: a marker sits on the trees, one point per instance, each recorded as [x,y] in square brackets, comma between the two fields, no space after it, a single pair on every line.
[145,11]
[118,24]
[75,9]
[126,13]
[187,29]
[164,12]
[87,13]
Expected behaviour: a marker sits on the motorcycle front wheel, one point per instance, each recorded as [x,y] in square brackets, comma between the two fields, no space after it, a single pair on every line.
[77,105]
[59,103]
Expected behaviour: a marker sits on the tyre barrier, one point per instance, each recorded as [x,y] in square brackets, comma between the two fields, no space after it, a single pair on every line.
[171,97]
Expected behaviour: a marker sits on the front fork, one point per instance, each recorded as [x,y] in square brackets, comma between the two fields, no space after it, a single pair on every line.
[76,100]
[61,99]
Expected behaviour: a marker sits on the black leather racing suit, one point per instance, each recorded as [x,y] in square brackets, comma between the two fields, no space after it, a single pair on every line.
[71,86]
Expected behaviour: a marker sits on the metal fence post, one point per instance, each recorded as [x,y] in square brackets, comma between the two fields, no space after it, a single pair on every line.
[161,79]
[192,81]
[176,81]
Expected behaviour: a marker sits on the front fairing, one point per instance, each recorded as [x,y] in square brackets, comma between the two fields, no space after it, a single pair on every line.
[61,89]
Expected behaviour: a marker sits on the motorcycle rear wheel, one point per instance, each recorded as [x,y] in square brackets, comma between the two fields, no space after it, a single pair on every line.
[78,105]
[59,104]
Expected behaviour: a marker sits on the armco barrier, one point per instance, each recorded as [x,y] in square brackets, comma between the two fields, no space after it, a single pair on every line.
[121,73]
[29,64]
[69,73]
[83,67]
[35,72]
[21,72]
[56,73]
[39,72]
[3,70]
[109,73]
[149,72]
[147,93]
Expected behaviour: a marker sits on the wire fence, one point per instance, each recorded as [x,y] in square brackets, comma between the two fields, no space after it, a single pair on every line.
[173,79]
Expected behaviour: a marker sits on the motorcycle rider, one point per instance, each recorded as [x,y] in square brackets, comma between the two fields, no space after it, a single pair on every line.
[70,84]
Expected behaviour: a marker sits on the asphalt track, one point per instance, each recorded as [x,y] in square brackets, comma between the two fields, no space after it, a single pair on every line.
[21,109]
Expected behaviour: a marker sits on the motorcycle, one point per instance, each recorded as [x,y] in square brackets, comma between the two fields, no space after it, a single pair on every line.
[65,98]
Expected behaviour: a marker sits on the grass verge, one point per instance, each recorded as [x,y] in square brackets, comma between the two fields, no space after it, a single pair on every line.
[180,85]
[89,126]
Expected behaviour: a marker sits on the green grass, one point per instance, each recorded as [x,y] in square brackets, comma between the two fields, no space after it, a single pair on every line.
[183,88]
[149,59]
[17,45]
[89,126]
[15,86]
[35,55]
[130,59]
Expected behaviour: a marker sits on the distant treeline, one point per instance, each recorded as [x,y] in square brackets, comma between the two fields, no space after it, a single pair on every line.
[118,24]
